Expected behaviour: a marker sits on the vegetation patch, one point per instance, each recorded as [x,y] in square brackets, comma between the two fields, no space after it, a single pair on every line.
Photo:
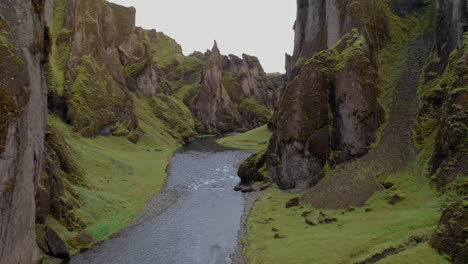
[358,233]
[256,139]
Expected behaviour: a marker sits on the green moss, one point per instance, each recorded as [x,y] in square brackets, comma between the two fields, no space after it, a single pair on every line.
[133,69]
[96,99]
[230,81]
[252,108]
[121,175]
[256,139]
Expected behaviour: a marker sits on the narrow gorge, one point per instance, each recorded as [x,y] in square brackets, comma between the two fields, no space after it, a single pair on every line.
[118,147]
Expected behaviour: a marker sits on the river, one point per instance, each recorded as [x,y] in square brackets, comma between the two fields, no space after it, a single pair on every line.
[201,226]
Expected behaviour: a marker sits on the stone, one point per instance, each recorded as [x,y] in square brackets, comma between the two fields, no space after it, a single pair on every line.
[274,229]
[306,213]
[81,241]
[326,219]
[395,199]
[237,188]
[57,246]
[387,185]
[279,236]
[310,222]
[451,233]
[292,202]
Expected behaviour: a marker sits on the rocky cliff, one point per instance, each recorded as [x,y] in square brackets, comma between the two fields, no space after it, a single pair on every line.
[24,46]
[244,96]
[341,81]
[214,107]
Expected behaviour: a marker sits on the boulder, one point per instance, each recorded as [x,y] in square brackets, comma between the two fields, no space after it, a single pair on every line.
[58,247]
[292,203]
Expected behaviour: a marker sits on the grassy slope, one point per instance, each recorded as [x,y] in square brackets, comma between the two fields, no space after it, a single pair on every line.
[256,139]
[356,235]
[121,175]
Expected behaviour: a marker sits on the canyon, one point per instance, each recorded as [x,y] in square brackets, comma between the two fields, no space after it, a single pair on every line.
[368,122]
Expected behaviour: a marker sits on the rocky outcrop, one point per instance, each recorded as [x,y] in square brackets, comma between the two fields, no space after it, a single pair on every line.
[444,94]
[450,237]
[214,107]
[23,110]
[245,93]
[320,24]
[250,170]
[330,107]
[54,195]
[95,89]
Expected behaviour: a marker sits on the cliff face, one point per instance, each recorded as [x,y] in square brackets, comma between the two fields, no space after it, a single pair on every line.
[442,122]
[342,83]
[244,96]
[214,107]
[87,80]
[23,111]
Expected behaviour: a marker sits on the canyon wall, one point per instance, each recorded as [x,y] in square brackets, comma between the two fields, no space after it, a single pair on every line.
[24,46]
[329,109]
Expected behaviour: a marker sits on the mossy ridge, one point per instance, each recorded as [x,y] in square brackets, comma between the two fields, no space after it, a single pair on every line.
[96,98]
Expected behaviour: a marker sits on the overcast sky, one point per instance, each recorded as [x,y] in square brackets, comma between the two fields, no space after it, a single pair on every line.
[262,28]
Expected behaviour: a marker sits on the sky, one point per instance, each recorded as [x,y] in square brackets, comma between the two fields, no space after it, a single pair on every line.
[261,28]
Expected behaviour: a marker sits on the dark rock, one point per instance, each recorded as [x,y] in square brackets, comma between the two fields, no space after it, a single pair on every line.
[395,199]
[292,202]
[387,185]
[408,7]
[279,236]
[274,229]
[310,222]
[350,209]
[237,188]
[306,213]
[249,168]
[368,209]
[57,246]
[452,231]
[326,219]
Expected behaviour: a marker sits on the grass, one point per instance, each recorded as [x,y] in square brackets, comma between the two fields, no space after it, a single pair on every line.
[256,139]
[356,236]
[122,175]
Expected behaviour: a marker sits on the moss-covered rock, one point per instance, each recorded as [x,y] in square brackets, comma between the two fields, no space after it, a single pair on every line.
[451,233]
[250,169]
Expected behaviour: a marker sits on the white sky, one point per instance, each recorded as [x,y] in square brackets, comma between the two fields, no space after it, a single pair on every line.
[261,28]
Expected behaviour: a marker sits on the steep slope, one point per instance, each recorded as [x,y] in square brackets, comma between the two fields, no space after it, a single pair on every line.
[23,111]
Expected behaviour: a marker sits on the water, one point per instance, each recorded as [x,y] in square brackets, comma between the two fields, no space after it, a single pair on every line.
[201,227]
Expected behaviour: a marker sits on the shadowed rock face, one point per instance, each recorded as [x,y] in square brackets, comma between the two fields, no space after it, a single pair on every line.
[330,103]
[23,111]
[299,146]
[252,80]
[450,236]
[214,107]
[451,23]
